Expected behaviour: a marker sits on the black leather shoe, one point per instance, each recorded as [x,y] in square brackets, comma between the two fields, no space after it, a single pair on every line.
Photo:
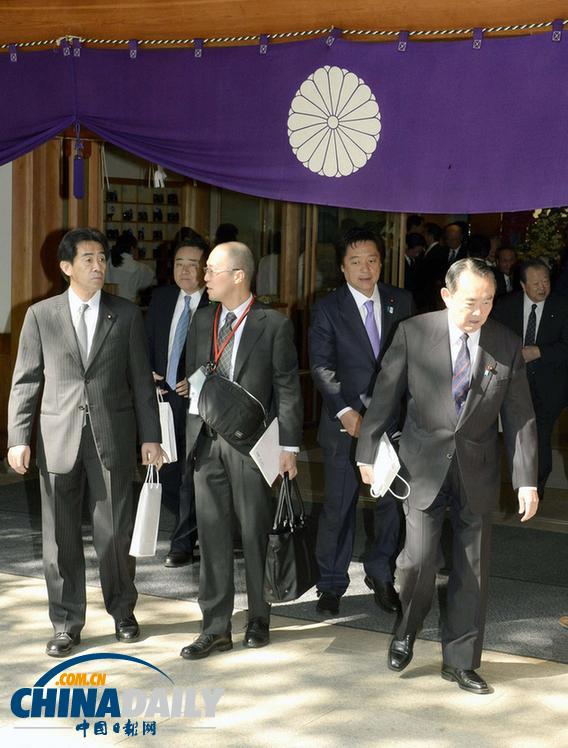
[127,629]
[469,680]
[257,633]
[385,594]
[62,644]
[205,644]
[328,603]
[401,652]
[178,558]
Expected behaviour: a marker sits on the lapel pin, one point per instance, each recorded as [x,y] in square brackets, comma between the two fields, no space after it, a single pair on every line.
[490,369]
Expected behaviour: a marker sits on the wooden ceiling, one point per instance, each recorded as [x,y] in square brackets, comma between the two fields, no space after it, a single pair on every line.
[29,20]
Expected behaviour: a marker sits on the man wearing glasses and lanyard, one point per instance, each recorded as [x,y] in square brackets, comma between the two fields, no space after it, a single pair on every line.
[254,346]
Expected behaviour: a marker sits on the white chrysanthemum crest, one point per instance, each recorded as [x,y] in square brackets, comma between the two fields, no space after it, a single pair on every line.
[334,122]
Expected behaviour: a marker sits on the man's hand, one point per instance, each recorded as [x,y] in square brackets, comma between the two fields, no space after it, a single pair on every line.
[366,474]
[288,464]
[351,421]
[19,458]
[158,378]
[530,353]
[182,388]
[528,503]
[153,454]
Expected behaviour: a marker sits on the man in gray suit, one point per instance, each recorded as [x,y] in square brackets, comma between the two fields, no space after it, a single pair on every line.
[85,351]
[458,371]
[253,345]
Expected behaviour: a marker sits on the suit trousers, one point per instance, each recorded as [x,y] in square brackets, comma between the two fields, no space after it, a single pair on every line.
[547,407]
[337,523]
[463,624]
[228,488]
[109,495]
[178,493]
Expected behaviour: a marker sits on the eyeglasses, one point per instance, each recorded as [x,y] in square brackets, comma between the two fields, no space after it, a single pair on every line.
[212,271]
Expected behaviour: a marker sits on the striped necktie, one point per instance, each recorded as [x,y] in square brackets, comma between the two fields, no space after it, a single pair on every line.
[224,364]
[461,376]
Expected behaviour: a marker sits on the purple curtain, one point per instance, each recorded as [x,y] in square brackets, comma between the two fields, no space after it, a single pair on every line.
[440,127]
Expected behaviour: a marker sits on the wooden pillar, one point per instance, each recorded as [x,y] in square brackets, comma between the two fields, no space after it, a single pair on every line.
[195,202]
[37,228]
[290,248]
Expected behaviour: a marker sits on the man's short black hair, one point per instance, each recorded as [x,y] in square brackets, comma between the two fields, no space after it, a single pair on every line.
[415,240]
[356,235]
[471,264]
[195,240]
[413,220]
[434,231]
[532,262]
[68,246]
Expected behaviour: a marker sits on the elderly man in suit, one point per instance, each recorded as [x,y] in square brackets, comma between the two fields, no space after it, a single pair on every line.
[85,353]
[167,324]
[540,319]
[458,371]
[252,345]
[349,334]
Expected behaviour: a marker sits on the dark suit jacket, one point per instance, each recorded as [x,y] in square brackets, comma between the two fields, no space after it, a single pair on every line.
[342,362]
[266,366]
[117,383]
[548,375]
[418,365]
[433,268]
[158,322]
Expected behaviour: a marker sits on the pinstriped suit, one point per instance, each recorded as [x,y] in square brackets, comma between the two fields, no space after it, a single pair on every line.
[71,454]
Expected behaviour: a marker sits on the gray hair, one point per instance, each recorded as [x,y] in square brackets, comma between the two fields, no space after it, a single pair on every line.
[477,267]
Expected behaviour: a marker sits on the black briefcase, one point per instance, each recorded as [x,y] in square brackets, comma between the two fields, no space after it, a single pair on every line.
[291,567]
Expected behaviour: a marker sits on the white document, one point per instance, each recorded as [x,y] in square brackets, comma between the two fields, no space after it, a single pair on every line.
[196,381]
[266,453]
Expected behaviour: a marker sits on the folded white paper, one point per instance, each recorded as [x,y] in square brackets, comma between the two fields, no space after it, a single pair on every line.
[266,453]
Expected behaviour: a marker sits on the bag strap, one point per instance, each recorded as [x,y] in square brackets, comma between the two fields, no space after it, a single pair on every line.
[292,488]
[406,483]
[280,507]
[151,475]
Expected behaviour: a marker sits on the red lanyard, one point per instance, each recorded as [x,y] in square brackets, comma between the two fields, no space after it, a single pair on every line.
[216,351]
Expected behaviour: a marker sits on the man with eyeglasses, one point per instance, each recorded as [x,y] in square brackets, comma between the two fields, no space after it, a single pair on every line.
[254,346]
[167,323]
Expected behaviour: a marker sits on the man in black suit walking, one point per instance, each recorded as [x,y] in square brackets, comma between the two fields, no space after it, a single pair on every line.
[540,319]
[349,334]
[458,371]
[252,345]
[167,324]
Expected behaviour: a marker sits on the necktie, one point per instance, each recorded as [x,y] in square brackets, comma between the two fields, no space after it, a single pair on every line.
[530,335]
[180,337]
[462,371]
[224,364]
[81,332]
[371,327]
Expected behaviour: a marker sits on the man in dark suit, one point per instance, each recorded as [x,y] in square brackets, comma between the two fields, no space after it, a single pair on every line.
[504,271]
[350,331]
[458,371]
[86,353]
[432,270]
[454,240]
[540,319]
[167,323]
[252,345]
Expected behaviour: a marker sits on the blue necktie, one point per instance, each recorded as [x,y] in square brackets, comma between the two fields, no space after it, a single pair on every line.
[461,377]
[178,344]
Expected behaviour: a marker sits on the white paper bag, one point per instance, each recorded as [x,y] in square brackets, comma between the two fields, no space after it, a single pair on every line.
[145,535]
[385,470]
[168,429]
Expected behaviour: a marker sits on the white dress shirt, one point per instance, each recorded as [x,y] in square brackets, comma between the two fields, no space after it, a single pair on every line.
[91,314]
[527,306]
[195,298]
